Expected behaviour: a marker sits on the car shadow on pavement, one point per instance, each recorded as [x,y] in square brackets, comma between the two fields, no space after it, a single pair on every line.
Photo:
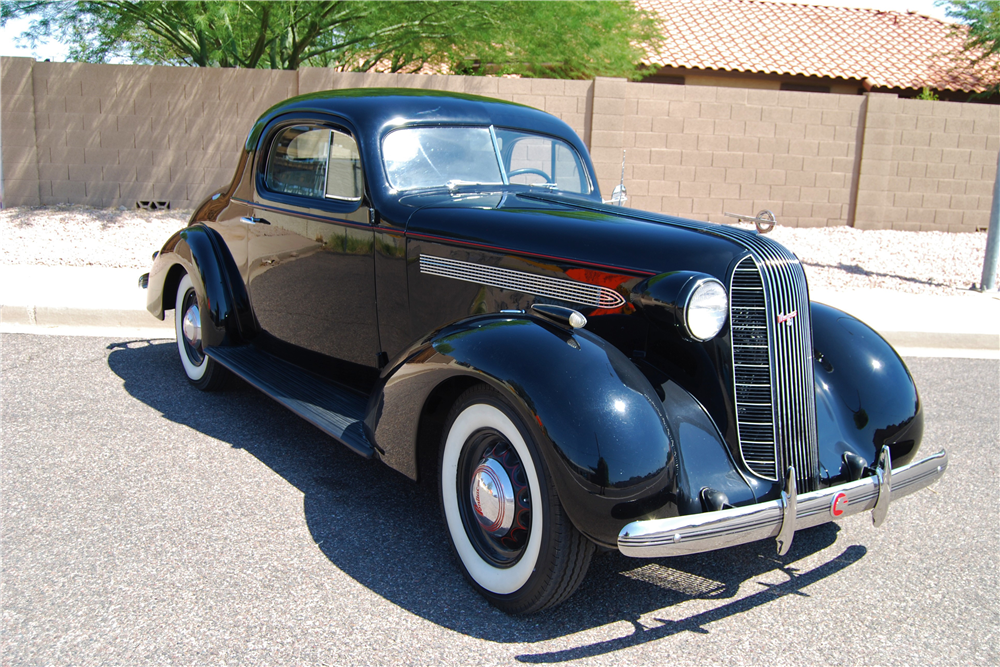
[385,531]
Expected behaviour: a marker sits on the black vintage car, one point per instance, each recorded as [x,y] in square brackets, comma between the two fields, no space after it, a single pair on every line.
[434,280]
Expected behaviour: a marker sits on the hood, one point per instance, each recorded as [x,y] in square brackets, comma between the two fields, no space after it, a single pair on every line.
[577,230]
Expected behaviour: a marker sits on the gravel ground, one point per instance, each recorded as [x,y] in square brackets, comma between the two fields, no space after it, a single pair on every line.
[837,258]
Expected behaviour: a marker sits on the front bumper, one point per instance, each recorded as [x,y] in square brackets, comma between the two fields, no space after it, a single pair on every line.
[697,533]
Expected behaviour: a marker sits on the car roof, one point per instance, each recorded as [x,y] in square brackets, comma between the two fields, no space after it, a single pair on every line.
[371,111]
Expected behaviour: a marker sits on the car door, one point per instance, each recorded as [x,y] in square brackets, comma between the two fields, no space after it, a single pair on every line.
[310,246]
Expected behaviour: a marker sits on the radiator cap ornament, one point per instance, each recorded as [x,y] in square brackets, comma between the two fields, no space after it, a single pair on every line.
[764,220]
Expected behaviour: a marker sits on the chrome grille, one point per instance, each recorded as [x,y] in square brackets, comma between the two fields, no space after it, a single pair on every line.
[752,369]
[775,404]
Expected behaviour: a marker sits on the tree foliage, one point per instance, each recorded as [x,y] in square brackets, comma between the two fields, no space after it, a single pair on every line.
[982,17]
[543,38]
[982,39]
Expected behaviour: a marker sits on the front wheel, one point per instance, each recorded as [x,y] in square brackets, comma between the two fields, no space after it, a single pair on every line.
[512,538]
[202,371]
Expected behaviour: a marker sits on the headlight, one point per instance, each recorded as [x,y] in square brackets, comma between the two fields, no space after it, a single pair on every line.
[706,309]
[693,304]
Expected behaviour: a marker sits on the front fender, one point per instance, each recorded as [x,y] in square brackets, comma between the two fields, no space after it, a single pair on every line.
[599,423]
[865,395]
[202,253]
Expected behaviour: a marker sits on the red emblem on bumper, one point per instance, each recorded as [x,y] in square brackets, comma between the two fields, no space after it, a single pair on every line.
[838,504]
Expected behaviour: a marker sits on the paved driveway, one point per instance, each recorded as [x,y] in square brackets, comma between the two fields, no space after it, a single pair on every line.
[145,522]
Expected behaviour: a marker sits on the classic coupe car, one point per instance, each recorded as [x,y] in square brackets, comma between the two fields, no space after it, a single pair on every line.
[434,280]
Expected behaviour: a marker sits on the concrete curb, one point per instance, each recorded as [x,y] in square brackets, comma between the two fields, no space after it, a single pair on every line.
[948,341]
[25,318]
[36,298]
[60,316]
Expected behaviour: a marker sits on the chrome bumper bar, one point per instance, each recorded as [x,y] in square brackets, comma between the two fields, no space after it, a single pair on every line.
[678,536]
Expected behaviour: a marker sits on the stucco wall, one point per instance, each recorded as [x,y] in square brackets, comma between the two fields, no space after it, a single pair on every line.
[112,135]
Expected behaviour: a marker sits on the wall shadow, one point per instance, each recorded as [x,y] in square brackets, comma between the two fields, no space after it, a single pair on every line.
[385,531]
[857,270]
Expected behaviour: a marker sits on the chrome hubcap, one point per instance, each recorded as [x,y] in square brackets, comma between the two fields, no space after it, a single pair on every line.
[191,326]
[496,500]
[493,497]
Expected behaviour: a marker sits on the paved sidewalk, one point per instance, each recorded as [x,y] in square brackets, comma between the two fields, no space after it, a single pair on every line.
[74,296]
[38,298]
[966,320]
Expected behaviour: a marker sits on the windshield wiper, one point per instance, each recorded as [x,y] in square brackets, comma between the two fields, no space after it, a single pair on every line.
[455,183]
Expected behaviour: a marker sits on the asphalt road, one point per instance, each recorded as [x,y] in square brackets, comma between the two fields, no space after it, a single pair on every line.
[145,522]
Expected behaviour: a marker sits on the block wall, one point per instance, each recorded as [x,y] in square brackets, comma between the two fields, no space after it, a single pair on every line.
[700,151]
[927,165]
[112,135]
[18,145]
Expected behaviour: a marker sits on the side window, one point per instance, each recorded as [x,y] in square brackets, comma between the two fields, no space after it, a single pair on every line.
[314,162]
[532,159]
[343,176]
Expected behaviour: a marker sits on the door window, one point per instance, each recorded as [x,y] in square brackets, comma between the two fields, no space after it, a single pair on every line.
[314,162]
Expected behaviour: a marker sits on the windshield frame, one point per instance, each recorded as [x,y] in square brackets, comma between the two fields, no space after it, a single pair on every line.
[454,184]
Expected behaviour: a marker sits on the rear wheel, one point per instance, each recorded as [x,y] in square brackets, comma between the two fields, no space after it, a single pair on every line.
[508,529]
[202,371]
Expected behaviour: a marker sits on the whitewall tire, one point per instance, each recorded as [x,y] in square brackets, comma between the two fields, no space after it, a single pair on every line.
[202,371]
[507,527]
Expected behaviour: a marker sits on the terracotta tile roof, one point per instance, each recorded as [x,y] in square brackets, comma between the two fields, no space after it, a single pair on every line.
[889,49]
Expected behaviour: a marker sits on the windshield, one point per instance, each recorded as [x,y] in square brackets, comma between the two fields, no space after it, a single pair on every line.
[428,157]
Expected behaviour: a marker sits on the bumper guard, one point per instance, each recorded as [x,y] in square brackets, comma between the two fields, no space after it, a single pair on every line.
[697,533]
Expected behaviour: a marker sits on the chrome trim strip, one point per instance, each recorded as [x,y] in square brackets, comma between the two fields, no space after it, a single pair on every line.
[521,281]
[496,149]
[697,533]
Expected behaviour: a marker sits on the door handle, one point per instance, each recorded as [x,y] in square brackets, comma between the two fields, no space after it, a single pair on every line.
[254,221]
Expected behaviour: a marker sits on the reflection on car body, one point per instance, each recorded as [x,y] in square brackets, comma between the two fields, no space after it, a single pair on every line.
[434,280]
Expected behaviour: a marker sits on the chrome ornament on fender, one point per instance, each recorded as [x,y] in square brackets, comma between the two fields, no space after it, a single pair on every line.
[594,296]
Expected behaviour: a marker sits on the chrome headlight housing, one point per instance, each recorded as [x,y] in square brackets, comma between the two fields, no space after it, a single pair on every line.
[706,307]
[694,304]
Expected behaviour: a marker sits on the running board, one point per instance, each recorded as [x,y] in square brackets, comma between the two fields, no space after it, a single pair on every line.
[331,408]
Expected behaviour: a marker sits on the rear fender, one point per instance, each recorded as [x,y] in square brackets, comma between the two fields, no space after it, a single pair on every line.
[201,252]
